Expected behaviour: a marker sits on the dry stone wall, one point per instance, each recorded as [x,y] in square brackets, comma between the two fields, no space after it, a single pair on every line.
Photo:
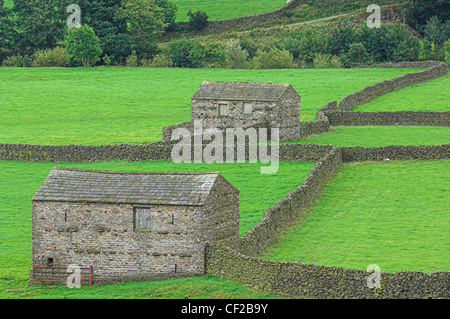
[314,281]
[291,206]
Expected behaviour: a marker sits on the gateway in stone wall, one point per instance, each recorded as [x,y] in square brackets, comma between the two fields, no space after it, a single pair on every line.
[129,226]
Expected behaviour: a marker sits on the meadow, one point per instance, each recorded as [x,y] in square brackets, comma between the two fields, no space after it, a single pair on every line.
[393,214]
[115,105]
[433,95]
[20,180]
[373,136]
[226,9]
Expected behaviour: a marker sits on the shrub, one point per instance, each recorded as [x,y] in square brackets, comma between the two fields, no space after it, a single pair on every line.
[274,59]
[161,61]
[180,53]
[236,57]
[356,55]
[132,60]
[13,61]
[197,20]
[82,44]
[4,53]
[56,57]
[447,52]
[327,61]
[106,60]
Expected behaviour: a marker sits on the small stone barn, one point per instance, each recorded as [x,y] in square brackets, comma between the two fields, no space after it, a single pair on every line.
[129,226]
[244,104]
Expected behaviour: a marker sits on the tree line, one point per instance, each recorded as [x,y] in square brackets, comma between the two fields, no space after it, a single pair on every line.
[126,32]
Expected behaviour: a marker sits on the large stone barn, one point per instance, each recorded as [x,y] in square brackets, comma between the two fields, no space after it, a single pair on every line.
[129,226]
[245,104]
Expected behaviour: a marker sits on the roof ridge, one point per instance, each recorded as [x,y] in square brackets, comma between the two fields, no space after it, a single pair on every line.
[74,169]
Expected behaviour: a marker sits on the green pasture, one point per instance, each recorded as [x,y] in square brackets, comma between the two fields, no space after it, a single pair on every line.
[393,214]
[433,95]
[372,136]
[226,9]
[20,180]
[114,105]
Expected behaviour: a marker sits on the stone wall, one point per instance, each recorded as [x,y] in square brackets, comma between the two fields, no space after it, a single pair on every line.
[291,206]
[313,281]
[395,153]
[103,236]
[351,118]
[222,25]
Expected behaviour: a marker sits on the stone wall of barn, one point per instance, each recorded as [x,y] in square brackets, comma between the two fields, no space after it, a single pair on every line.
[221,214]
[103,236]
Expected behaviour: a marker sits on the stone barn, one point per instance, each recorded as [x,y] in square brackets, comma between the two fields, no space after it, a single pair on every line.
[129,226]
[245,104]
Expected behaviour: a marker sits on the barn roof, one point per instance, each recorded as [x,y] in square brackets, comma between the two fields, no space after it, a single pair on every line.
[152,188]
[240,91]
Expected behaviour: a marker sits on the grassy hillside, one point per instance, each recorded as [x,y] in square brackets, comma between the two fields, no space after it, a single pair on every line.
[371,136]
[429,96]
[393,214]
[226,9]
[131,105]
[20,180]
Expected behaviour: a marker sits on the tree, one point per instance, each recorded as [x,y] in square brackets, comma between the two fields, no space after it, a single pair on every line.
[82,44]
[180,53]
[417,12]
[357,54]
[111,30]
[169,11]
[197,20]
[7,31]
[41,24]
[437,31]
[145,22]
[236,57]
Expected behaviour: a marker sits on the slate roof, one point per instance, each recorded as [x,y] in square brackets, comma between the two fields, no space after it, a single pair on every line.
[153,188]
[240,91]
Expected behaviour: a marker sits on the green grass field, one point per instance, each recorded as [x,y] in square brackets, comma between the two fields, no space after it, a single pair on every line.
[371,136]
[429,96]
[393,214]
[226,9]
[20,180]
[131,105]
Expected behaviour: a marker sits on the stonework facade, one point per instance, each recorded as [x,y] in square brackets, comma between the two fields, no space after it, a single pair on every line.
[109,236]
[241,104]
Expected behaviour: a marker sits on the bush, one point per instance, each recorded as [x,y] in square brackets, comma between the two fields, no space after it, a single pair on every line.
[197,20]
[161,61]
[13,61]
[274,59]
[447,52]
[82,44]
[56,57]
[132,60]
[327,61]
[236,57]
[180,53]
[356,55]
[4,53]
